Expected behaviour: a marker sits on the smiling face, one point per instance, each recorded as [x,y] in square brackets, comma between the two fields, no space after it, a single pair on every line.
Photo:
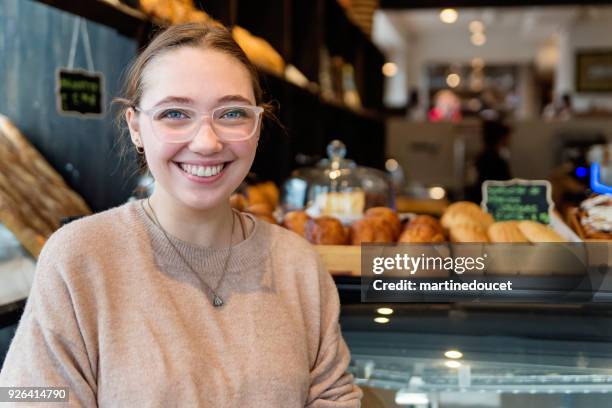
[203,172]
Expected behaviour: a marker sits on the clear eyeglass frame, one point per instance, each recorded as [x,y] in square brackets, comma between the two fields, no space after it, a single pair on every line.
[189,134]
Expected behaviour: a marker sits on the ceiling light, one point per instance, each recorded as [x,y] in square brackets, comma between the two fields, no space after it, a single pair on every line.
[449,15]
[391,165]
[453,80]
[389,69]
[454,354]
[452,364]
[476,26]
[478,39]
[478,63]
[384,310]
[437,193]
[381,320]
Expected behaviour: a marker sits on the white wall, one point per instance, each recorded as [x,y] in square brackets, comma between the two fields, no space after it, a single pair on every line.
[394,47]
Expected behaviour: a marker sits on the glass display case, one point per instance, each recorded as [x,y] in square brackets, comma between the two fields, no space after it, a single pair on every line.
[337,186]
[498,356]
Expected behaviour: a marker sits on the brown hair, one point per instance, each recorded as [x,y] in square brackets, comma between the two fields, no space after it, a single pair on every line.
[207,35]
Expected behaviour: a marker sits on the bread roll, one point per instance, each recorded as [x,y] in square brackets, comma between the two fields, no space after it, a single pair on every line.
[506,231]
[296,222]
[426,220]
[421,233]
[259,51]
[387,214]
[468,233]
[255,195]
[238,201]
[536,232]
[465,212]
[325,230]
[372,229]
[270,192]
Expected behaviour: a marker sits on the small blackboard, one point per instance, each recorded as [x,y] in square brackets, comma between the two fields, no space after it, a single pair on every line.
[518,199]
[80,92]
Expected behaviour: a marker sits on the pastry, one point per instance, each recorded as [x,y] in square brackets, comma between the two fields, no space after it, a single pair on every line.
[325,230]
[255,195]
[536,232]
[506,231]
[421,233]
[388,215]
[372,229]
[468,233]
[259,51]
[595,217]
[426,220]
[465,212]
[296,222]
[238,201]
[270,192]
[259,209]
[347,204]
[263,193]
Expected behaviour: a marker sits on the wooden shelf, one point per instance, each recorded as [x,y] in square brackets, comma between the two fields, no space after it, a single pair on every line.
[126,20]
[369,113]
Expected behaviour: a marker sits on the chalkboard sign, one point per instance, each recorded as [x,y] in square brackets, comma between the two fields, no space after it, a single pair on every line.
[79,92]
[518,200]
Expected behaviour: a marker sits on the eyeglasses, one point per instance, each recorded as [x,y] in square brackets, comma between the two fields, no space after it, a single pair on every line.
[231,123]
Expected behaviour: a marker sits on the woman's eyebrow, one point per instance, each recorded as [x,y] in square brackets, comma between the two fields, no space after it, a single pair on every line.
[175,99]
[234,98]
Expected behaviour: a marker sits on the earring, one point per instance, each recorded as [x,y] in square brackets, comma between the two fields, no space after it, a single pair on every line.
[139,149]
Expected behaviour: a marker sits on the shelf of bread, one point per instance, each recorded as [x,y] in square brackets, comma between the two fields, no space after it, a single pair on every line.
[339,244]
[33,196]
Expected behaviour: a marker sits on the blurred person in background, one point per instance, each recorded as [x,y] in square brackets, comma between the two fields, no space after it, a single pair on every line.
[492,162]
[560,109]
[447,107]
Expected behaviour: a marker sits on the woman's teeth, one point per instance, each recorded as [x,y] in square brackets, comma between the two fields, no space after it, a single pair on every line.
[201,171]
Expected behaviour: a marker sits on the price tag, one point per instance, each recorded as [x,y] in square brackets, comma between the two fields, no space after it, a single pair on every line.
[80,92]
[518,199]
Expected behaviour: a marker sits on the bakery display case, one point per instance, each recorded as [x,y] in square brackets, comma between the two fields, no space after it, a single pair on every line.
[461,222]
[475,355]
[337,187]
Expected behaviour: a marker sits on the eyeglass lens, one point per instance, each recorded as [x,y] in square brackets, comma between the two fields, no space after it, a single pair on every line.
[229,123]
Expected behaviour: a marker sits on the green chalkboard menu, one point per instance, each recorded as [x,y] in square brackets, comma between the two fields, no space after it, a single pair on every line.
[518,199]
[79,92]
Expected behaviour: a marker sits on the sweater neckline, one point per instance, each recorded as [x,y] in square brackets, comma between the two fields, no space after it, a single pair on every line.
[251,251]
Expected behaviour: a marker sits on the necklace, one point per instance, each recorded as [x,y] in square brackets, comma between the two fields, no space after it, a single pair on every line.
[216,299]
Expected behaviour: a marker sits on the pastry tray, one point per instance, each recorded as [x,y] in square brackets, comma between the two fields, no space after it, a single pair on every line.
[574,222]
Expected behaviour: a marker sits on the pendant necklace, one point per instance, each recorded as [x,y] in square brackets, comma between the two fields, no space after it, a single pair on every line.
[216,299]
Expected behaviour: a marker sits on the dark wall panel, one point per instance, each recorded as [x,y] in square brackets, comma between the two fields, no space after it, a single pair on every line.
[34,42]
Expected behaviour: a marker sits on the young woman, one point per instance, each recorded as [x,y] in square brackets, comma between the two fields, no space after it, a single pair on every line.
[178,300]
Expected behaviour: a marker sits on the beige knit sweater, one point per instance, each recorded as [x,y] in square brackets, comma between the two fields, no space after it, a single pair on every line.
[115,315]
